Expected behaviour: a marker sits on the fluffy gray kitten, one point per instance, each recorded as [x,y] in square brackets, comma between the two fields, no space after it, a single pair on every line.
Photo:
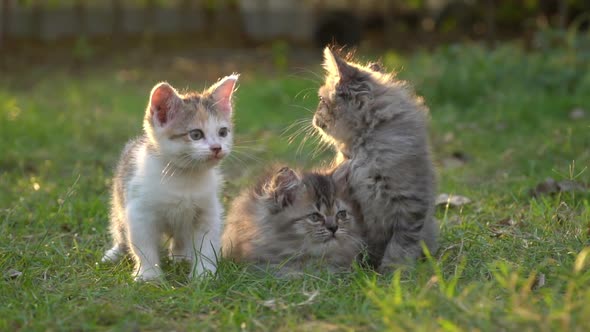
[292,222]
[379,129]
[167,181]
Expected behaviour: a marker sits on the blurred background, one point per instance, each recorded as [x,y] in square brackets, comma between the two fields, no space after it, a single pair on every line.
[83,30]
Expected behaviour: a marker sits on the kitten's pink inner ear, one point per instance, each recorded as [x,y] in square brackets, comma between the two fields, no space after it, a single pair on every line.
[162,101]
[222,93]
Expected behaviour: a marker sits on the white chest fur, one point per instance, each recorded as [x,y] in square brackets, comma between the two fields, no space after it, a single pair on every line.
[173,196]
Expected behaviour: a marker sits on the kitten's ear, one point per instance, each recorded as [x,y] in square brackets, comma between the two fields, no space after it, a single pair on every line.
[341,174]
[337,66]
[164,103]
[282,188]
[222,92]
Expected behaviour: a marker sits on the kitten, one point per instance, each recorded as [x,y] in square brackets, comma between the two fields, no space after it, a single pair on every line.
[379,129]
[292,222]
[167,181]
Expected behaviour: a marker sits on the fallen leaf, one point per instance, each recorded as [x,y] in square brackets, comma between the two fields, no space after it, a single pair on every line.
[498,232]
[539,281]
[452,200]
[503,227]
[310,297]
[451,163]
[551,187]
[448,137]
[507,222]
[571,186]
[456,159]
[577,113]
[275,304]
[272,304]
[433,281]
[12,274]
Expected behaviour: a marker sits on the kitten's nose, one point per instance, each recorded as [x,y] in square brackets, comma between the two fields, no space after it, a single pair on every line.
[332,228]
[216,149]
[331,225]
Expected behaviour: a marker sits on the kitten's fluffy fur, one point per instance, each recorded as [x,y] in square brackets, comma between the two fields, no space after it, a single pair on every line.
[292,221]
[379,129]
[167,181]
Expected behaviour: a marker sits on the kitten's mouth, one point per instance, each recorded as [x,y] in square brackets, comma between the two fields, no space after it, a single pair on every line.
[215,158]
[319,123]
[330,238]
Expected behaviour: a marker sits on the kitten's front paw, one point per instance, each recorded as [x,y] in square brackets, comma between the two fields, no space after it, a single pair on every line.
[179,258]
[113,255]
[151,274]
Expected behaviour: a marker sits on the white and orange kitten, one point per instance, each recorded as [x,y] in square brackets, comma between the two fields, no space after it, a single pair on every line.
[167,181]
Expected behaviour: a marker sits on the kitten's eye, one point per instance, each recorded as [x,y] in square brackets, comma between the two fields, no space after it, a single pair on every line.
[196,134]
[223,132]
[316,217]
[341,215]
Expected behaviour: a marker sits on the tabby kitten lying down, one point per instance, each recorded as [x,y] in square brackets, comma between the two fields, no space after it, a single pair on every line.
[292,223]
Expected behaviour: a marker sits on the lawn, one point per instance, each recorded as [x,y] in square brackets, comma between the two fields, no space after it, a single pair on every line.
[501,123]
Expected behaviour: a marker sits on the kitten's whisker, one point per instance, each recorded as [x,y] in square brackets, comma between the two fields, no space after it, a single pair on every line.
[302,107]
[246,155]
[248,149]
[305,126]
[295,123]
[184,161]
[319,77]
[297,133]
[351,238]
[301,145]
[316,141]
[304,90]
[323,146]
[253,147]
[309,131]
[235,159]
[307,79]
[165,171]
[250,141]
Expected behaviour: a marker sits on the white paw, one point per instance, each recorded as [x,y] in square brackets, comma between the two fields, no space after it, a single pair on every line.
[149,274]
[112,255]
[179,258]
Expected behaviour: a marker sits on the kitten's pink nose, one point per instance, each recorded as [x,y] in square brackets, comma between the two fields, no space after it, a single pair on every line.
[216,149]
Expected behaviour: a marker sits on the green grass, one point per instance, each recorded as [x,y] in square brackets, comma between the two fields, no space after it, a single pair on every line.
[61,133]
